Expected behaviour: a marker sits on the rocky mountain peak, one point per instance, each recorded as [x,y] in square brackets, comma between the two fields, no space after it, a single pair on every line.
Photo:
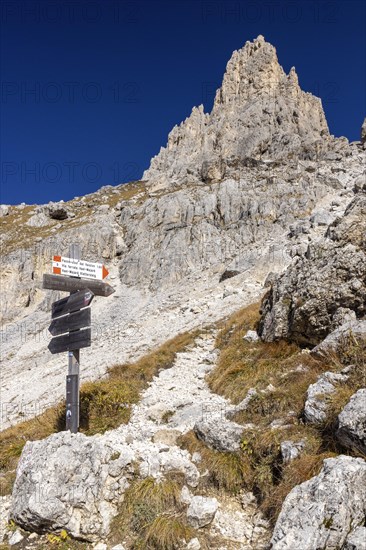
[259,112]
[252,70]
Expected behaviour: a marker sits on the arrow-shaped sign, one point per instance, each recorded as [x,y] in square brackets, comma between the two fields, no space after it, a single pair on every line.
[73,321]
[72,284]
[74,302]
[62,265]
[71,341]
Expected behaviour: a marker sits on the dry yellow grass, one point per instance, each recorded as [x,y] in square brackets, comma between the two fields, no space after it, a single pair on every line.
[152,515]
[19,235]
[281,373]
[227,471]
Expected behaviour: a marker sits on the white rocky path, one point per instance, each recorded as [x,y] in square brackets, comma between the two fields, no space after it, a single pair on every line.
[176,400]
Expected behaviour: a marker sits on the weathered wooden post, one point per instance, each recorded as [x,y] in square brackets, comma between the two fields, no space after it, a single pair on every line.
[73,377]
[71,318]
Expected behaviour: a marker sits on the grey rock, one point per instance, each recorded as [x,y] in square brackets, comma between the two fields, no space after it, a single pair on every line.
[185,495]
[318,514]
[363,132]
[360,183]
[57,211]
[343,315]
[38,220]
[351,430]
[4,210]
[201,511]
[194,544]
[291,450]
[219,433]
[251,336]
[356,540]
[15,538]
[302,302]
[356,329]
[322,217]
[315,409]
[63,482]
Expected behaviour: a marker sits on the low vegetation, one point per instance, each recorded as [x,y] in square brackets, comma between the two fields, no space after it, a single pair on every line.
[105,404]
[17,234]
[152,516]
[281,374]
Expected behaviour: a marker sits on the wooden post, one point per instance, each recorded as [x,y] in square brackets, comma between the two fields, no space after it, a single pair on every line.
[73,377]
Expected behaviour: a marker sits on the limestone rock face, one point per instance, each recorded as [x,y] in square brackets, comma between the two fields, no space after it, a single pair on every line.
[234,223]
[303,303]
[351,430]
[320,513]
[259,112]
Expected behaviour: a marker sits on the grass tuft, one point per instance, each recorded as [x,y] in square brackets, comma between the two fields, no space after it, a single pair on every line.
[151,515]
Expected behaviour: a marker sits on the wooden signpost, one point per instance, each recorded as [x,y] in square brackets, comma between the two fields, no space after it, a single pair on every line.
[71,317]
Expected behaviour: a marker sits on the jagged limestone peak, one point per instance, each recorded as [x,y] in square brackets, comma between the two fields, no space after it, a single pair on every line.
[259,112]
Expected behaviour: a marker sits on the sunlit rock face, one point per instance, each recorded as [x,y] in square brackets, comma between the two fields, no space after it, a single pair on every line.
[259,112]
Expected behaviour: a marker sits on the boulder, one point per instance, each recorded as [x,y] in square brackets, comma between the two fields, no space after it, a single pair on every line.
[356,329]
[201,511]
[251,336]
[319,514]
[291,450]
[343,315]
[219,433]
[68,481]
[315,409]
[39,219]
[4,210]
[193,544]
[322,217]
[351,431]
[360,183]
[57,211]
[15,538]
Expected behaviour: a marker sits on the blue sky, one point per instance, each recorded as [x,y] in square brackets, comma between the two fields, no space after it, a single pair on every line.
[90,89]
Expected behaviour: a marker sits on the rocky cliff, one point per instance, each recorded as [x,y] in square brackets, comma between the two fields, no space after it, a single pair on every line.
[323,287]
[259,113]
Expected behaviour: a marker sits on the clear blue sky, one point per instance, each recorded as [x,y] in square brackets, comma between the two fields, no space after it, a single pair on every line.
[90,89]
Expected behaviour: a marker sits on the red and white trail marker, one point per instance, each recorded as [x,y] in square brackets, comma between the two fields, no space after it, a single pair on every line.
[78,268]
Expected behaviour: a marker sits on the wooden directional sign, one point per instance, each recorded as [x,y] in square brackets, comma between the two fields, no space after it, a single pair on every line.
[72,267]
[71,341]
[73,284]
[74,302]
[73,321]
